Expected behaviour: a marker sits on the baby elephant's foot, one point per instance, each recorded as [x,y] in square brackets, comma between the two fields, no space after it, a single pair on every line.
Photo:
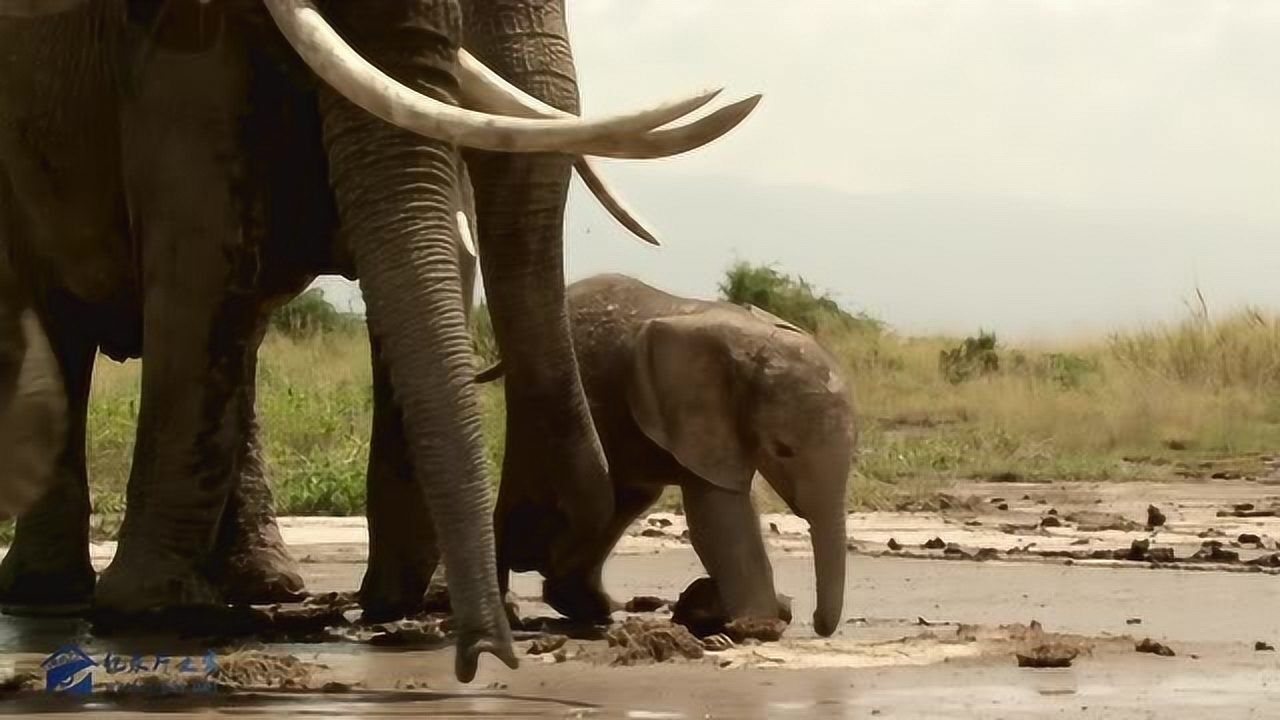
[577,599]
[390,592]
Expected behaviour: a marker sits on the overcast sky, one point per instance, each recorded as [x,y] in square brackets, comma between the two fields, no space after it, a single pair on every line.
[1038,167]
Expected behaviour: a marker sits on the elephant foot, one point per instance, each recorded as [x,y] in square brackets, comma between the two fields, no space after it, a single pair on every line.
[141,582]
[701,609]
[261,575]
[36,584]
[579,600]
[391,593]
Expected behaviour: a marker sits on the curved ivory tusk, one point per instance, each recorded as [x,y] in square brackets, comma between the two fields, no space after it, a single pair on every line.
[612,203]
[484,89]
[340,66]
[464,234]
[678,139]
[36,8]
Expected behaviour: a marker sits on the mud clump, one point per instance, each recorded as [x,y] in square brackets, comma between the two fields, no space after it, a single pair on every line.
[1091,521]
[1263,646]
[762,629]
[1155,518]
[334,600]
[1048,655]
[646,603]
[1149,646]
[1212,551]
[408,634]
[547,644]
[1138,550]
[301,623]
[935,544]
[894,545]
[636,641]
[1249,539]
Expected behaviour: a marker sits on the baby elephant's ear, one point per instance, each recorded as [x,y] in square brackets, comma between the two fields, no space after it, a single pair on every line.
[682,392]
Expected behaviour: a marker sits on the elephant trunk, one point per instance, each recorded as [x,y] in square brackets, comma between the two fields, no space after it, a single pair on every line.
[815,492]
[33,411]
[397,198]
[827,534]
[554,471]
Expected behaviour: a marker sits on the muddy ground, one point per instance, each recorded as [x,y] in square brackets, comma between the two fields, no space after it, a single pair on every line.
[979,582]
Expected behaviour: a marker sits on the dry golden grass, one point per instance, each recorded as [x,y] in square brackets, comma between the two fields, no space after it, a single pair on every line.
[1211,388]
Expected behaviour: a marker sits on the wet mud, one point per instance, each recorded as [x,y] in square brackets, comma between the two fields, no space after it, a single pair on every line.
[1048,606]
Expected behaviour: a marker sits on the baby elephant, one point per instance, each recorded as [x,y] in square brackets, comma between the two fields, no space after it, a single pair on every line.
[704,395]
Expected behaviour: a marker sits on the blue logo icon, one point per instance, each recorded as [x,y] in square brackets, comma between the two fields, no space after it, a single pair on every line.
[69,670]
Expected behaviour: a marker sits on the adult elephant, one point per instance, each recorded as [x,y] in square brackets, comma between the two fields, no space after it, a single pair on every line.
[162,160]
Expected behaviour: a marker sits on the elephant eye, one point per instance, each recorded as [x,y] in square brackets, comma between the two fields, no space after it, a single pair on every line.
[783,450]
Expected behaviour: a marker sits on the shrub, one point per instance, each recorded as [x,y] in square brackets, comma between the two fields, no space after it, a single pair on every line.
[975,357]
[791,298]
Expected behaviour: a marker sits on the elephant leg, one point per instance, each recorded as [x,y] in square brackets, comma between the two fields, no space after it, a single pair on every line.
[579,593]
[197,216]
[47,569]
[252,563]
[725,531]
[553,454]
[403,554]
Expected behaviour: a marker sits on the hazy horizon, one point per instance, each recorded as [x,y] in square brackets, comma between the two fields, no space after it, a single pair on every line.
[1037,168]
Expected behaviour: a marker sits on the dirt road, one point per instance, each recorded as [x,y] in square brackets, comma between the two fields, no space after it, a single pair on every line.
[931,632]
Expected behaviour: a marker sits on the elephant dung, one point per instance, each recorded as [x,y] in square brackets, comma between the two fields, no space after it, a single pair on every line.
[636,640]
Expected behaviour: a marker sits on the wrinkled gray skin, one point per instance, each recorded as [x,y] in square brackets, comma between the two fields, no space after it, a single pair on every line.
[704,395]
[554,473]
[33,406]
[169,172]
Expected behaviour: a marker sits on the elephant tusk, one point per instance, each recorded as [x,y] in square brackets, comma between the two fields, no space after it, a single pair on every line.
[331,58]
[464,234]
[613,204]
[36,8]
[484,89]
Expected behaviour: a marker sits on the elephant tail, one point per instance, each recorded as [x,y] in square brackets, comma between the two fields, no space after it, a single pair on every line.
[491,373]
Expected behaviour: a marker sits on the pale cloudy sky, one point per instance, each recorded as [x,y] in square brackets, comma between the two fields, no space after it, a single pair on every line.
[1040,167]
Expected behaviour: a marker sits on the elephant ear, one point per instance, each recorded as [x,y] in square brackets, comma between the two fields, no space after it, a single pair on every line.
[684,394]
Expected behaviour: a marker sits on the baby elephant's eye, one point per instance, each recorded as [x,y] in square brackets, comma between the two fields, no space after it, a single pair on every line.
[783,450]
